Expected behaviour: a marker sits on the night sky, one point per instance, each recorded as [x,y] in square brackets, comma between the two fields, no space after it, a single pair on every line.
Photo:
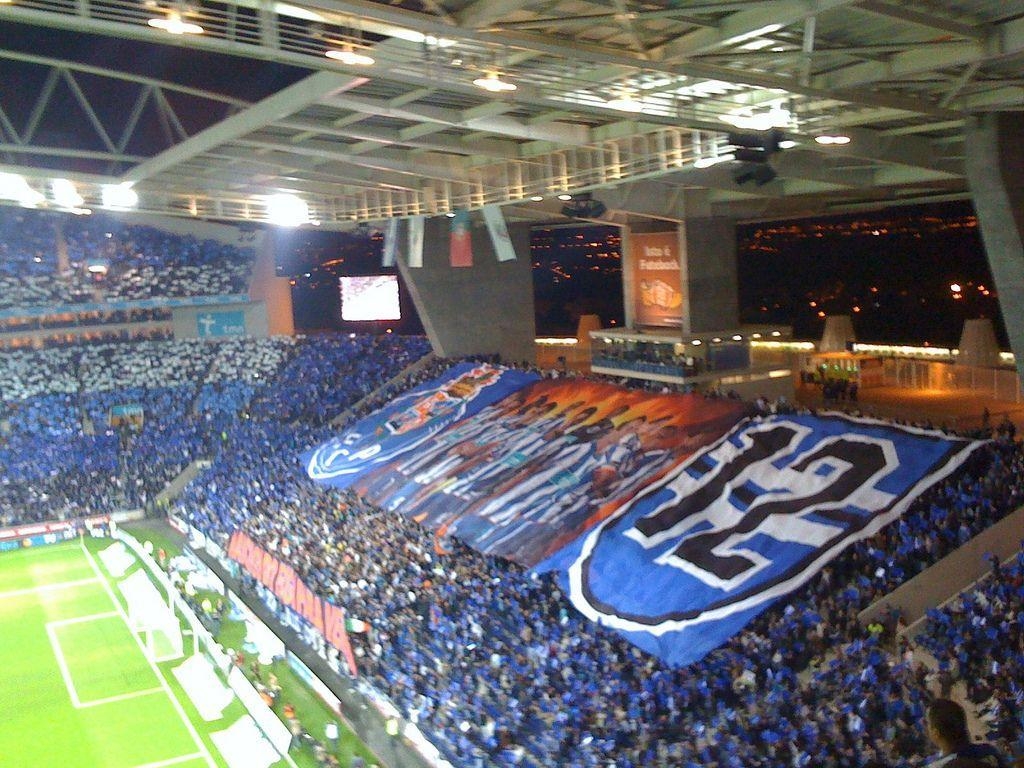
[890,270]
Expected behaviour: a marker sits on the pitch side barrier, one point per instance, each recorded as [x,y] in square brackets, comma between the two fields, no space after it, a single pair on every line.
[396,742]
[55,531]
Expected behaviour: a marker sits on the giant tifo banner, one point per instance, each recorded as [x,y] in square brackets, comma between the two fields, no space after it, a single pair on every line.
[282,580]
[410,420]
[530,473]
[656,278]
[692,559]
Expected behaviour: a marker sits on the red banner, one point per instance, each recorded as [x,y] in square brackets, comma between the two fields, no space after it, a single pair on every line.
[281,579]
[461,246]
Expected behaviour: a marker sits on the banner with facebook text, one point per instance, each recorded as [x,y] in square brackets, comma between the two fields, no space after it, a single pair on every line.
[530,473]
[410,420]
[688,562]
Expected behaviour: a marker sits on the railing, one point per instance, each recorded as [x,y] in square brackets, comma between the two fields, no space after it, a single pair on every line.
[996,383]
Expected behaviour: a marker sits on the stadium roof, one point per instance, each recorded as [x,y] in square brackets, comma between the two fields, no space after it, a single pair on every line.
[631,100]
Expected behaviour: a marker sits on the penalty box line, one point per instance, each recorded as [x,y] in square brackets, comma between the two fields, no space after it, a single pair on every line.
[47,588]
[65,671]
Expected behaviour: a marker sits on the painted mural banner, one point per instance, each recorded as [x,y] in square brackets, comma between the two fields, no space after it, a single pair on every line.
[693,558]
[657,278]
[530,473]
[410,420]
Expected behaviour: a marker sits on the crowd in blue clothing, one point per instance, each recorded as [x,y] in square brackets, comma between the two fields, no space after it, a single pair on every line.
[138,262]
[492,662]
[496,666]
[61,457]
[979,638]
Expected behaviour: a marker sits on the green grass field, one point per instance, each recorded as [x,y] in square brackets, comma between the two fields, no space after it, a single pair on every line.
[77,689]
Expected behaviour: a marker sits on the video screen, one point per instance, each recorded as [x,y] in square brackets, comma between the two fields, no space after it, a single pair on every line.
[370,297]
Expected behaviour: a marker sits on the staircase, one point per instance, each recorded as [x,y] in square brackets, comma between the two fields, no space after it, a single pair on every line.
[175,487]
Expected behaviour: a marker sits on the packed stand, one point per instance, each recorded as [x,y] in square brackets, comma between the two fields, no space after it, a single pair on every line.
[499,670]
[135,262]
[979,639]
[98,428]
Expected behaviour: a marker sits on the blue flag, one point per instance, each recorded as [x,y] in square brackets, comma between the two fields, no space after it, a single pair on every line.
[410,420]
[693,558]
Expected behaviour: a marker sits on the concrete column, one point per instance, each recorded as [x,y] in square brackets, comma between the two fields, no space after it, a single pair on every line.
[838,331]
[994,155]
[978,344]
[628,283]
[707,248]
[483,309]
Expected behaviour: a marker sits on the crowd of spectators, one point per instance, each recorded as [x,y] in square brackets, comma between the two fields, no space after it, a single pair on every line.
[490,661]
[499,669]
[45,260]
[96,428]
[979,639]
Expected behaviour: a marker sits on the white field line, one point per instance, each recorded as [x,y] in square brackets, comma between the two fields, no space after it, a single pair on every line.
[172,761]
[121,697]
[203,751]
[46,588]
[81,619]
[63,666]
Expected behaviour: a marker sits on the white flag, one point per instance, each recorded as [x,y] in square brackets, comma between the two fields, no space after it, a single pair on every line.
[416,241]
[390,243]
[498,230]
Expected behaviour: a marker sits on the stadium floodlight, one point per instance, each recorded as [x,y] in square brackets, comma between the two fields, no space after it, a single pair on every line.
[65,195]
[287,210]
[14,187]
[120,196]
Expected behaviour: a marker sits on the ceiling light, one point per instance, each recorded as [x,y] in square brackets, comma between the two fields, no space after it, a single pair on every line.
[492,82]
[350,57]
[565,196]
[762,121]
[707,162]
[830,139]
[788,144]
[120,196]
[450,214]
[537,198]
[65,194]
[627,102]
[14,187]
[175,25]
[286,210]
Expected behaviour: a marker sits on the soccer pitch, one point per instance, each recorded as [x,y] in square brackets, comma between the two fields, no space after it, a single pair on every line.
[77,688]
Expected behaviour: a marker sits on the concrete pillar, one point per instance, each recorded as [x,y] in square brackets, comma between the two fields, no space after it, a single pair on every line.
[978,344]
[994,156]
[838,331]
[707,248]
[700,291]
[275,292]
[483,309]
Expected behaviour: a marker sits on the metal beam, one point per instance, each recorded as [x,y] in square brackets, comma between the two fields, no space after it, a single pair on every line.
[482,13]
[766,18]
[282,104]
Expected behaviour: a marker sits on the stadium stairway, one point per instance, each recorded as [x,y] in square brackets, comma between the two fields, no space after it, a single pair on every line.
[950,576]
[177,485]
[410,370]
